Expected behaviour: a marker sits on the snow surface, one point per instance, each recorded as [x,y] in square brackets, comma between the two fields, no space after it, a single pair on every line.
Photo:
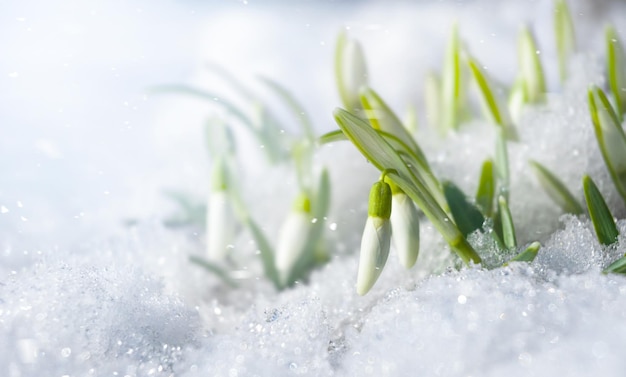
[93,284]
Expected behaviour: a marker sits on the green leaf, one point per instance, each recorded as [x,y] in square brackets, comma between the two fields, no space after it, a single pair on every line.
[601,217]
[219,138]
[302,156]
[381,117]
[555,189]
[530,67]
[332,137]
[616,69]
[508,229]
[564,36]
[518,97]
[192,212]
[453,90]
[432,98]
[528,255]
[267,253]
[410,120]
[466,216]
[617,267]
[294,105]
[214,99]
[240,89]
[382,155]
[610,136]
[496,113]
[486,189]
[502,164]
[321,203]
[213,268]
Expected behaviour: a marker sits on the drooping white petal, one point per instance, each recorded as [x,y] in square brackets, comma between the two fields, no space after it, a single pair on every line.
[220,225]
[292,241]
[405,229]
[374,252]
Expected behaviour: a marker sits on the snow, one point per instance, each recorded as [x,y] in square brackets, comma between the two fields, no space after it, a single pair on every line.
[93,284]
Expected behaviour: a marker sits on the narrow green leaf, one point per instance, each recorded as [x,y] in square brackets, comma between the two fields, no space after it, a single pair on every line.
[432,98]
[617,267]
[322,196]
[382,118]
[502,164]
[453,92]
[528,255]
[466,216]
[496,113]
[530,67]
[555,189]
[601,217]
[240,89]
[616,69]
[331,137]
[382,155]
[296,108]
[219,138]
[518,97]
[508,229]
[267,253]
[214,99]
[410,120]
[610,136]
[486,189]
[213,268]
[564,36]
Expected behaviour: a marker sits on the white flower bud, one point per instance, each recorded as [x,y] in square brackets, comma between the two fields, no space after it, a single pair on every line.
[376,238]
[293,236]
[220,225]
[374,252]
[220,221]
[351,71]
[405,228]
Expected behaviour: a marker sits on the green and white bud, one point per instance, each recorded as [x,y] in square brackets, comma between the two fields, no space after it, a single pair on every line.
[220,223]
[350,71]
[376,238]
[293,236]
[405,227]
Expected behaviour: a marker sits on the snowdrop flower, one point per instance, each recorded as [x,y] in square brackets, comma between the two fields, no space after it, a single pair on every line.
[350,71]
[405,227]
[293,236]
[376,237]
[220,224]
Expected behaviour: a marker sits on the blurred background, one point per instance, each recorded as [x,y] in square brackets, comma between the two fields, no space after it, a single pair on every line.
[85,147]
